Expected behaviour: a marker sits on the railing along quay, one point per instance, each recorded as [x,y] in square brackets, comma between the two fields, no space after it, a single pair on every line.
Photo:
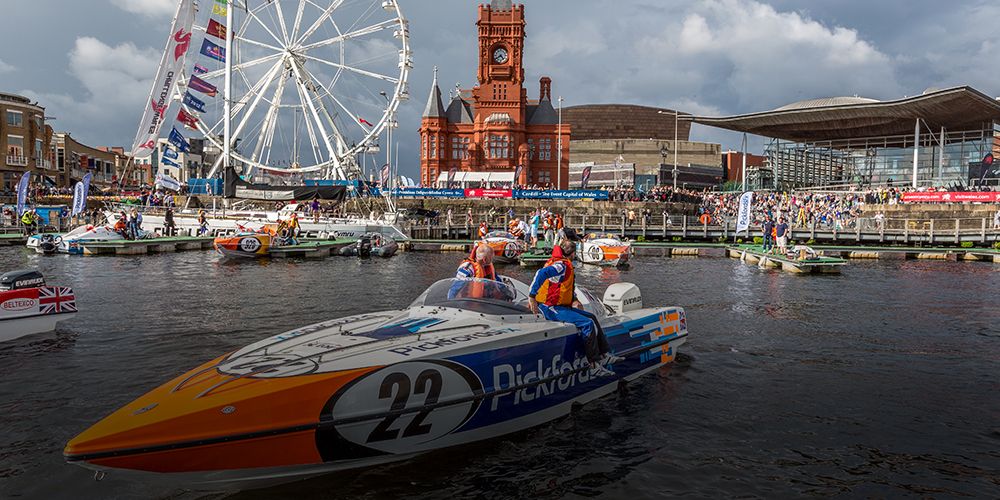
[978,231]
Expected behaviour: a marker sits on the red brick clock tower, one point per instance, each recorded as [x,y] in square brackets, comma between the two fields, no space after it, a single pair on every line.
[494,127]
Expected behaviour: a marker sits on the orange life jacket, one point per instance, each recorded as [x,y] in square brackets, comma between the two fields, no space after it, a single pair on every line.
[559,222]
[483,230]
[481,271]
[561,293]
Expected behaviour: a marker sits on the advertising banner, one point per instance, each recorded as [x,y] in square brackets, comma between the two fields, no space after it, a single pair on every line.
[165,81]
[416,192]
[489,193]
[563,194]
[743,218]
[952,197]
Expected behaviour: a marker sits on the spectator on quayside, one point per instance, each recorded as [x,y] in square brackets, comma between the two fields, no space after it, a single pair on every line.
[535,221]
[996,219]
[768,229]
[448,219]
[169,228]
[781,236]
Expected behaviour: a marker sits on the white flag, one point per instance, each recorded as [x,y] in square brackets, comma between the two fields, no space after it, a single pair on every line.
[743,219]
[165,82]
[168,182]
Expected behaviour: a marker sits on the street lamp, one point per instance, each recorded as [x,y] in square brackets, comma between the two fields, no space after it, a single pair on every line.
[664,151]
[559,146]
[662,112]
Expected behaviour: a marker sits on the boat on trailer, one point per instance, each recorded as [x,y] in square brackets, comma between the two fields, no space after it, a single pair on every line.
[466,361]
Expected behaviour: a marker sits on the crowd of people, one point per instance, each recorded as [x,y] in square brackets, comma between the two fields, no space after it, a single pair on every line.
[838,210]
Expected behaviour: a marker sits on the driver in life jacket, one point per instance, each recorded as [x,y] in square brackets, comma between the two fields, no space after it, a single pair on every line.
[478,265]
[474,276]
[514,228]
[553,294]
[484,229]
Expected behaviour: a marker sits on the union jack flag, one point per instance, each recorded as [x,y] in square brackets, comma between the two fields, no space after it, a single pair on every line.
[56,299]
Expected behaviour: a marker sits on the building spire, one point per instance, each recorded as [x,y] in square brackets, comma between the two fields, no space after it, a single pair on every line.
[434,109]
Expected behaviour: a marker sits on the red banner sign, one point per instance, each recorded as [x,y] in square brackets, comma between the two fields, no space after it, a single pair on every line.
[952,197]
[489,193]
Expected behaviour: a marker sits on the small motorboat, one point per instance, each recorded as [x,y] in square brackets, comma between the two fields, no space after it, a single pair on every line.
[466,361]
[50,243]
[372,245]
[28,306]
[250,243]
[507,248]
[604,251]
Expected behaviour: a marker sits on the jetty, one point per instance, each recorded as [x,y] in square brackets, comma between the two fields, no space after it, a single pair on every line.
[817,264]
[146,246]
[310,249]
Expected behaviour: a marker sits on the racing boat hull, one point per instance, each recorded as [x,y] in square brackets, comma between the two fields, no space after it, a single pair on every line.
[365,390]
[244,246]
[605,253]
[29,311]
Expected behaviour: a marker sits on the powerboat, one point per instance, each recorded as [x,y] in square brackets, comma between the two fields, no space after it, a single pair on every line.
[28,306]
[604,251]
[49,243]
[506,247]
[372,245]
[466,361]
[249,243]
[230,221]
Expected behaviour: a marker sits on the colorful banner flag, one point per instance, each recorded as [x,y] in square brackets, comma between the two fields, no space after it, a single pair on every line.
[202,86]
[385,176]
[216,29]
[165,81]
[187,119]
[219,10]
[178,140]
[170,153]
[451,176]
[517,174]
[743,218]
[167,182]
[194,103]
[80,194]
[170,163]
[585,176]
[210,49]
[199,69]
[22,192]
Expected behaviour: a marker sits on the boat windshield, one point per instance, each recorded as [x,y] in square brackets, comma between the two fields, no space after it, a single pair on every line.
[480,295]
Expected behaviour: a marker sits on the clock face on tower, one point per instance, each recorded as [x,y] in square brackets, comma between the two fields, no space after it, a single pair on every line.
[500,55]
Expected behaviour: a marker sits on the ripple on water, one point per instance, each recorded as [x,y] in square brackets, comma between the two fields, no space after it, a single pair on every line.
[880,382]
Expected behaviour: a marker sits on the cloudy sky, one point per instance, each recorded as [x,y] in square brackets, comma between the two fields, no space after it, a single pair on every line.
[90,62]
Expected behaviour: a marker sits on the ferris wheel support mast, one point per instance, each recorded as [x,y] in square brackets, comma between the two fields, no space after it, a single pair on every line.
[227,92]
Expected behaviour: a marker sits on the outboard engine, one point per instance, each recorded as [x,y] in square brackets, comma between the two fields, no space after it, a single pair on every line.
[17,280]
[623,297]
[364,246]
[47,244]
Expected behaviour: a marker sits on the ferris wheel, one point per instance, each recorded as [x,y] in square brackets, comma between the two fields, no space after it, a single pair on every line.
[313,83]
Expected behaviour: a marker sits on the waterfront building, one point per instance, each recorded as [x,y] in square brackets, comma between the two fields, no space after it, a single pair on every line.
[26,141]
[939,137]
[73,160]
[644,137]
[493,127]
[732,166]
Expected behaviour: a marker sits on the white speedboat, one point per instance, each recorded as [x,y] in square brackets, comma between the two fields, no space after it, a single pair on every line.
[28,306]
[466,361]
[70,242]
[232,221]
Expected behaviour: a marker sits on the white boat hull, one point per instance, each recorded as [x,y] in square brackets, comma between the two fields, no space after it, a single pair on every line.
[16,328]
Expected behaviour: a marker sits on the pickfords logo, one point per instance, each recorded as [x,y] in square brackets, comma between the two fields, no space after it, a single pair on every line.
[445,342]
[546,373]
[18,304]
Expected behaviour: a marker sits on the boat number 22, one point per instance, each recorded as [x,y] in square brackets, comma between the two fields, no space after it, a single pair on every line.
[397,386]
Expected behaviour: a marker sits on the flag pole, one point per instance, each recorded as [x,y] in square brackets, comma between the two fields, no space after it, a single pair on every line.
[227,90]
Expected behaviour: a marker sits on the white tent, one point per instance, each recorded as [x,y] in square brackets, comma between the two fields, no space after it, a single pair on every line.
[475,179]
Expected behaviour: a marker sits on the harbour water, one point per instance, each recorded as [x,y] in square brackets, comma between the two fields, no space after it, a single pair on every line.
[878,382]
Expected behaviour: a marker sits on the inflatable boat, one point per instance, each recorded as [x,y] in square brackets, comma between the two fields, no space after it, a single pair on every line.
[466,361]
[28,306]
